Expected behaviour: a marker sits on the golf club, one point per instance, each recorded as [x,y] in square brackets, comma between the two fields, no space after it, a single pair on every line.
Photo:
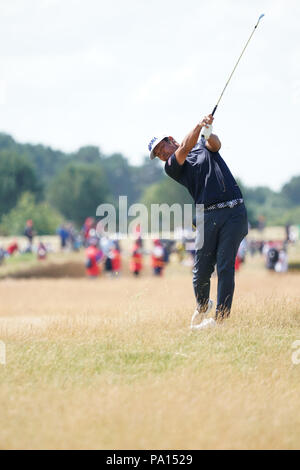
[215,108]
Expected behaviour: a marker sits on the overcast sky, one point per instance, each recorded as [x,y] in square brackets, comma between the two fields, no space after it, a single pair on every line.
[115,73]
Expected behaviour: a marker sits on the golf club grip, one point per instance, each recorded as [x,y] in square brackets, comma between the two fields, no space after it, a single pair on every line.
[214,110]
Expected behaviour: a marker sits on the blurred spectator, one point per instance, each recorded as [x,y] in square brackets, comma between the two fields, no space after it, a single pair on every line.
[106,245]
[116,261]
[294,233]
[2,255]
[93,237]
[252,247]
[41,251]
[136,262]
[141,242]
[12,248]
[157,258]
[282,263]
[287,233]
[272,257]
[93,257]
[261,223]
[87,226]
[167,247]
[261,245]
[108,264]
[75,238]
[117,245]
[76,242]
[29,234]
[64,234]
[180,251]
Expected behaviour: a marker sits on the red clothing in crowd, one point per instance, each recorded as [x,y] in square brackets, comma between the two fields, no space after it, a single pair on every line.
[157,257]
[116,261]
[12,248]
[93,256]
[88,224]
[136,262]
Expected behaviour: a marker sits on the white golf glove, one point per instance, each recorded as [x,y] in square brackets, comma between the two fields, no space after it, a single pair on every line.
[206,131]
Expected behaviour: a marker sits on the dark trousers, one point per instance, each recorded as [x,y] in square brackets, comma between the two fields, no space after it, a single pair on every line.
[224,230]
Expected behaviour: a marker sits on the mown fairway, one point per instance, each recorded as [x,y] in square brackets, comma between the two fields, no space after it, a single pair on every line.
[112,364]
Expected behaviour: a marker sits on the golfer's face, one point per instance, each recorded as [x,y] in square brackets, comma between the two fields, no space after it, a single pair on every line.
[166,148]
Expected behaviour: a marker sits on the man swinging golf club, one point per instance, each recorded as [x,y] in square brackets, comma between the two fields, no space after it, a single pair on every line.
[197,165]
[200,168]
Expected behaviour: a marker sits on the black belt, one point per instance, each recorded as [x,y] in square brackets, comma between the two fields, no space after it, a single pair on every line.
[222,205]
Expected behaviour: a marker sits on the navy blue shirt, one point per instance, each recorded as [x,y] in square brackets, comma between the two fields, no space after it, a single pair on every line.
[205,175]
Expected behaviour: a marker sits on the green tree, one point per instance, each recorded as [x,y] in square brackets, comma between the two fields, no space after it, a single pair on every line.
[17,175]
[78,190]
[118,173]
[148,173]
[291,190]
[88,154]
[166,191]
[7,142]
[46,161]
[44,217]
[128,180]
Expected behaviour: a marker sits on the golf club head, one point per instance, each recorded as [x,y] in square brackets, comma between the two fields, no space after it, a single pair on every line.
[261,16]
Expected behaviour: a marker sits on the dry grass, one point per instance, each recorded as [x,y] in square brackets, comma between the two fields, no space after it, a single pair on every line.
[112,364]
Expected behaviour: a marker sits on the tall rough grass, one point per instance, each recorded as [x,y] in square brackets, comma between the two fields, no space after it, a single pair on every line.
[112,364]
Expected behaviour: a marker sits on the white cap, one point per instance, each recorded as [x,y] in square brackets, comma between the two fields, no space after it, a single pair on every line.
[153,143]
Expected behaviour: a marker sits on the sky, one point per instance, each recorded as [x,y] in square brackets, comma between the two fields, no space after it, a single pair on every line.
[114,74]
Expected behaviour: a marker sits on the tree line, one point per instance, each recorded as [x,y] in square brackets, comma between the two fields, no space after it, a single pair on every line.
[50,186]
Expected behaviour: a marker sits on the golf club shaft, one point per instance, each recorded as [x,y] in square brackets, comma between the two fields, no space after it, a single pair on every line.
[215,108]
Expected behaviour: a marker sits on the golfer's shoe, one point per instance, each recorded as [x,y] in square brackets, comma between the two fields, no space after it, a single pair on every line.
[206,323]
[198,313]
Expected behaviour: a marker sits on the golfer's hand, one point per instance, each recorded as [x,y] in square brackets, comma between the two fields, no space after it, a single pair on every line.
[206,121]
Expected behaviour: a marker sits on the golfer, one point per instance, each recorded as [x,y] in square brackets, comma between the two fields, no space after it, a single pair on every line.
[197,165]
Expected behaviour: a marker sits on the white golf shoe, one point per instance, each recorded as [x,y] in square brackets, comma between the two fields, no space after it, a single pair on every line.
[206,323]
[201,314]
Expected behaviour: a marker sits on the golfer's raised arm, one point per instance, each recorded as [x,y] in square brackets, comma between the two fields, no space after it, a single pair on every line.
[213,143]
[187,144]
